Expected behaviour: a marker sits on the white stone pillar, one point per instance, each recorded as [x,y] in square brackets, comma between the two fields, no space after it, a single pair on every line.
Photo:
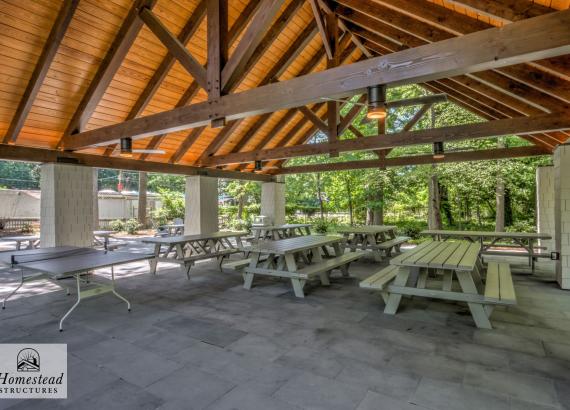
[66,215]
[545,205]
[95,199]
[562,213]
[201,215]
[273,200]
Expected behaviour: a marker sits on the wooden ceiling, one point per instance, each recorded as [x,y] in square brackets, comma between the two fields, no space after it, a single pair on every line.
[106,66]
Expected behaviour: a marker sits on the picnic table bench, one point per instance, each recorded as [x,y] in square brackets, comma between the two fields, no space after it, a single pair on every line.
[408,275]
[381,240]
[488,239]
[31,241]
[282,257]
[277,232]
[185,250]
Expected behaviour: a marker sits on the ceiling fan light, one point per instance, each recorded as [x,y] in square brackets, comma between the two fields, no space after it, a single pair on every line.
[376,113]
[438,150]
[126,147]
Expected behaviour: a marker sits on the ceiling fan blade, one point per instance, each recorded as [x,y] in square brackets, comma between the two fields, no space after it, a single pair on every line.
[149,151]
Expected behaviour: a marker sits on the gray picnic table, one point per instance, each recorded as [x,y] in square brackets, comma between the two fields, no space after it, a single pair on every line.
[33,241]
[283,258]
[277,232]
[173,229]
[409,273]
[379,239]
[185,250]
[488,239]
[59,262]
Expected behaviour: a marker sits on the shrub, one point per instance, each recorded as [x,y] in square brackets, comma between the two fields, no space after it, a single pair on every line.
[159,217]
[321,226]
[411,228]
[132,226]
[521,226]
[241,224]
[117,225]
[27,228]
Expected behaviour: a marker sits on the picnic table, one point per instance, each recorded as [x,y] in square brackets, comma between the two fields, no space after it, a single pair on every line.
[185,250]
[379,239]
[58,262]
[277,232]
[33,241]
[408,274]
[487,239]
[281,259]
[172,229]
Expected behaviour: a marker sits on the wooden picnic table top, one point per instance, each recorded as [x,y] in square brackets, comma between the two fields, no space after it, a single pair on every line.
[292,245]
[172,240]
[279,227]
[488,234]
[367,229]
[20,238]
[103,233]
[460,255]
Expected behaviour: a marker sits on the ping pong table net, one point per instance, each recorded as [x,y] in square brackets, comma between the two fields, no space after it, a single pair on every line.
[47,254]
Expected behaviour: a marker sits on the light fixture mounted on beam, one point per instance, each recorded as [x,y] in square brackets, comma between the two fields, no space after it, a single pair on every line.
[258,166]
[438,150]
[377,102]
[126,147]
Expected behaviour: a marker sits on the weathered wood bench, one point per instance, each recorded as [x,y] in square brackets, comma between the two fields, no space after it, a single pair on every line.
[499,287]
[187,262]
[380,280]
[238,265]
[395,243]
[321,269]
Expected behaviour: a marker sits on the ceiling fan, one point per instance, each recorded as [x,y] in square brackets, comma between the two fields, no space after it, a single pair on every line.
[126,150]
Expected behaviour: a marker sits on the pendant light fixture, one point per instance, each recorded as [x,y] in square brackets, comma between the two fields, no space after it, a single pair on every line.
[377,102]
[126,147]
[438,150]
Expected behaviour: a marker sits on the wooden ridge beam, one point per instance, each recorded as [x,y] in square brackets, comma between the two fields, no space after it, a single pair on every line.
[107,69]
[20,153]
[464,156]
[544,36]
[217,45]
[510,126]
[41,69]
[175,47]
[250,40]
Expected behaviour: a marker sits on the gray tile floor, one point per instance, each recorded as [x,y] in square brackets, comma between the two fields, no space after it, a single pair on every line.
[209,344]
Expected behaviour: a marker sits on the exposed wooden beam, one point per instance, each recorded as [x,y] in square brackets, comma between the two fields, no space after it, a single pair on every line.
[332,106]
[19,153]
[161,72]
[107,69]
[220,139]
[479,155]
[511,126]
[544,36]
[175,47]
[217,43]
[505,10]
[186,144]
[250,40]
[49,51]
[351,115]
[317,13]
[317,122]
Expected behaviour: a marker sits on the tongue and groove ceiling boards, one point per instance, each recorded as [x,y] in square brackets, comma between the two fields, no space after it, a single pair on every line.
[69,68]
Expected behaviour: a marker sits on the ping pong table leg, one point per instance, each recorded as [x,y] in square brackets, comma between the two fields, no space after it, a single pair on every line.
[78,281]
[116,293]
[14,291]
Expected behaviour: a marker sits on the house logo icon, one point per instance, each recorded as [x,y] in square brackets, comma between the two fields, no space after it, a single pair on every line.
[28,360]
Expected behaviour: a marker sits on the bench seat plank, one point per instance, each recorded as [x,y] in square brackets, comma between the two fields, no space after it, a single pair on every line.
[329,264]
[393,242]
[380,278]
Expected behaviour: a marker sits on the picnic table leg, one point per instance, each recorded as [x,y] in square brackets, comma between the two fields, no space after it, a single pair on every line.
[297,283]
[154,261]
[247,276]
[447,280]
[395,298]
[317,258]
[478,311]
[338,251]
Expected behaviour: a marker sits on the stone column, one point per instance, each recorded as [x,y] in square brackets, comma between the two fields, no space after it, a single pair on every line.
[562,213]
[545,205]
[273,200]
[95,199]
[201,215]
[66,215]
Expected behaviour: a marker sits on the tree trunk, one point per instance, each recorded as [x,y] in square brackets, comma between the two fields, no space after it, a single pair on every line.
[508,208]
[349,196]
[445,204]
[500,197]
[434,215]
[142,198]
[378,214]
[320,195]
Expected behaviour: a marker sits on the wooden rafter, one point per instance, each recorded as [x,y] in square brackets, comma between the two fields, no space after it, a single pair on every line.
[319,19]
[517,126]
[314,118]
[19,153]
[237,62]
[186,144]
[506,10]
[478,155]
[107,69]
[504,46]
[174,46]
[41,69]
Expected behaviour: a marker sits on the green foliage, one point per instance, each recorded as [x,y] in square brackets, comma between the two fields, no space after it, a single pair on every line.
[117,225]
[132,226]
[19,175]
[321,226]
[410,227]
[172,207]
[27,228]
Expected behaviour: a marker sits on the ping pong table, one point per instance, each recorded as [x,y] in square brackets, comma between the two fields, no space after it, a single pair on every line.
[65,261]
